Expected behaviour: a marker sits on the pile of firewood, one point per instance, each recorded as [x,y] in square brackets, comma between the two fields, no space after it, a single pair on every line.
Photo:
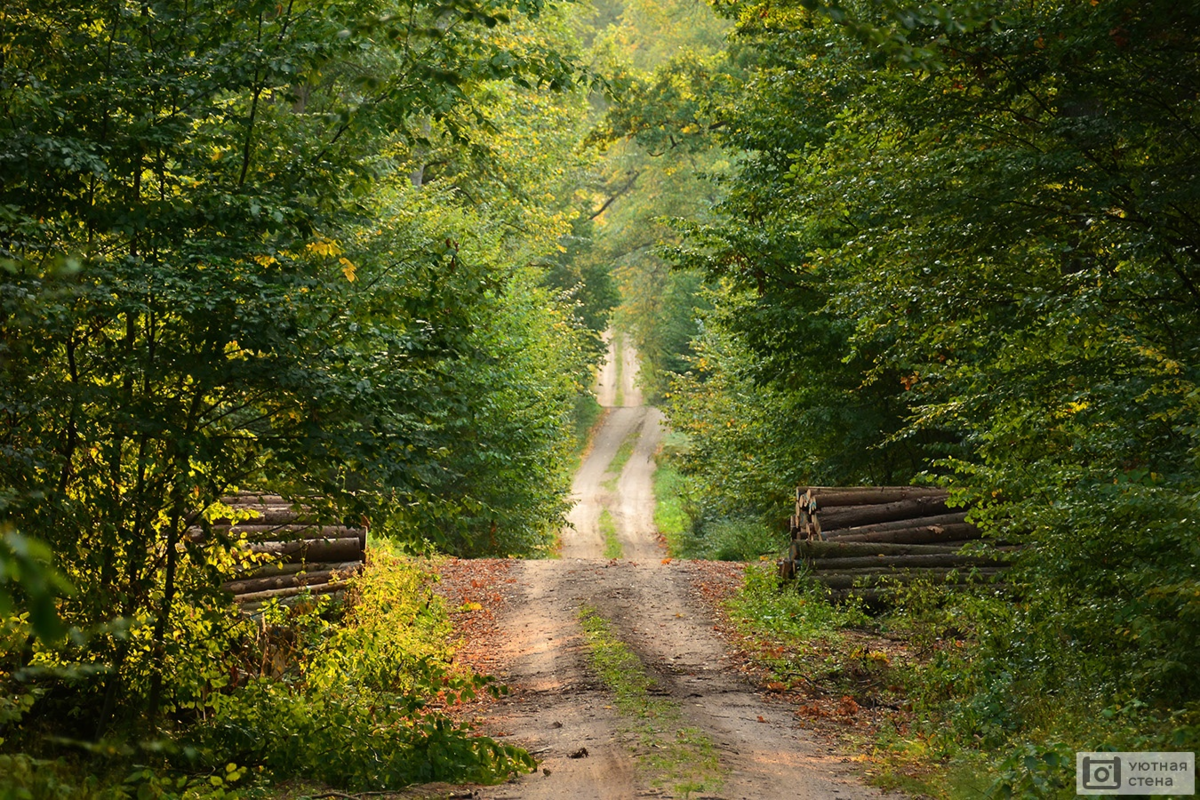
[300,556]
[862,540]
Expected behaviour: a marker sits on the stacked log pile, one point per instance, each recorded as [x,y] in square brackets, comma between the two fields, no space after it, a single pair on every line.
[300,555]
[861,540]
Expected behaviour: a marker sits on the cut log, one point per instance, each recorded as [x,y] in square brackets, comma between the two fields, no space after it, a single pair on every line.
[816,549]
[952,518]
[306,578]
[282,532]
[795,553]
[848,580]
[274,515]
[272,594]
[855,516]
[342,549]
[918,534]
[949,560]
[250,609]
[887,594]
[253,498]
[274,570]
[830,496]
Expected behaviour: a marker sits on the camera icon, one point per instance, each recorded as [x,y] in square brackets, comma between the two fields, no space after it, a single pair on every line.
[1101,773]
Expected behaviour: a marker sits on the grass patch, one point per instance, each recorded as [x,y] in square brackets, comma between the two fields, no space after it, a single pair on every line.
[669,517]
[586,416]
[733,539]
[680,757]
[620,459]
[608,527]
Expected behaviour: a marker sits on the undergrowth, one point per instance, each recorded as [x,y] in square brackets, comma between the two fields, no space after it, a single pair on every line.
[961,715]
[688,533]
[351,695]
[676,755]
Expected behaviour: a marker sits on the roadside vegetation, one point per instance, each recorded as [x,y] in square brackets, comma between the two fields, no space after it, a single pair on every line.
[264,699]
[686,531]
[913,686]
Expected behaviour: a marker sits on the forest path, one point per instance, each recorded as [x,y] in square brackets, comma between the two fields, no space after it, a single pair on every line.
[560,709]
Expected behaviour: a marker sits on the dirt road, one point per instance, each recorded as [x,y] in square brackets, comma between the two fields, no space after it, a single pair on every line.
[589,745]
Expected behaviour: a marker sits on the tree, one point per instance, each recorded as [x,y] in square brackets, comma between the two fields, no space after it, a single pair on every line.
[202,288]
[986,240]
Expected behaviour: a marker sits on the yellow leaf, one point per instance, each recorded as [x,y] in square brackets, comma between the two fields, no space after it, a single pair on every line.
[348,268]
[323,247]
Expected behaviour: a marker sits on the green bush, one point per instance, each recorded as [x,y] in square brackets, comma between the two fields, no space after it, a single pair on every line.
[353,708]
[351,693]
[358,737]
[729,539]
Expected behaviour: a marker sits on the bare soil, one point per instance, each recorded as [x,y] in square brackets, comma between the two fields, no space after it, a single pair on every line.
[527,633]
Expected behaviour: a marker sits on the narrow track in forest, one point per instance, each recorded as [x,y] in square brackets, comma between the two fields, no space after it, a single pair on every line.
[589,745]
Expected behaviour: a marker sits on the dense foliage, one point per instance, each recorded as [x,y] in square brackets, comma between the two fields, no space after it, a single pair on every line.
[962,242]
[300,247]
